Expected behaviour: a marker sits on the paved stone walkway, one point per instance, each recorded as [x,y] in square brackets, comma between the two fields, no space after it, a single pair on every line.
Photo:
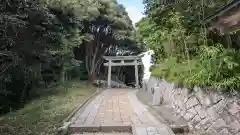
[120,107]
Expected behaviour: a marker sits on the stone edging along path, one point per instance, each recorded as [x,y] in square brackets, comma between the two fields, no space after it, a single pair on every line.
[66,122]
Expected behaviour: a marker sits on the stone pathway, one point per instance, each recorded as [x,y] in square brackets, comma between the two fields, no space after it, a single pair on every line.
[118,110]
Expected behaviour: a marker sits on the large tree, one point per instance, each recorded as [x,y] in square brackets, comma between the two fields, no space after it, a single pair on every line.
[29,33]
[102,23]
[38,39]
[105,33]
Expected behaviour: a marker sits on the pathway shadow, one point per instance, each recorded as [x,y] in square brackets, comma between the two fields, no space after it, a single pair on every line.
[163,113]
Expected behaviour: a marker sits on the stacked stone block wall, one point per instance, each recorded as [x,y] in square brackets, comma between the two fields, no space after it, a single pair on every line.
[206,111]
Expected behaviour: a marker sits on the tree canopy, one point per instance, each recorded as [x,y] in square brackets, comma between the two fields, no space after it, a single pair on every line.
[40,41]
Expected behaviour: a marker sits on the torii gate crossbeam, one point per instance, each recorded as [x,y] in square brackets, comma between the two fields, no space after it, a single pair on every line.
[122,61]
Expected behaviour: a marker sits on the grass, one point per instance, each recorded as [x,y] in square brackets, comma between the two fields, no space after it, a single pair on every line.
[44,115]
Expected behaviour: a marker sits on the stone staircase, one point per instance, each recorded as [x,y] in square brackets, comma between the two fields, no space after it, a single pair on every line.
[101,130]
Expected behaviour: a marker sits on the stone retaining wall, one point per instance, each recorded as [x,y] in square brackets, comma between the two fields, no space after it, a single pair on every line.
[207,112]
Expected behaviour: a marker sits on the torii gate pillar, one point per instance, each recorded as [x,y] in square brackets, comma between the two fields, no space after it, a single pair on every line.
[136,74]
[121,61]
[109,74]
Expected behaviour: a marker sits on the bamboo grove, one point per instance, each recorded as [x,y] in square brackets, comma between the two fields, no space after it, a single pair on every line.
[187,53]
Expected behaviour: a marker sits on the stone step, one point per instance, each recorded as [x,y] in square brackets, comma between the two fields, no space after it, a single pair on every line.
[152,130]
[118,130]
[76,128]
[101,133]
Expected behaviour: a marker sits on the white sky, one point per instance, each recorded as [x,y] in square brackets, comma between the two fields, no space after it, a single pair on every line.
[134,8]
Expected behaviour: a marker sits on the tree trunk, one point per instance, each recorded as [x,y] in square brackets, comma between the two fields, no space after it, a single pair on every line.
[62,78]
[25,92]
[91,78]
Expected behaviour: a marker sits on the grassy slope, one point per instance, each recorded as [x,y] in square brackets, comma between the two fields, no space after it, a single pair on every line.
[44,115]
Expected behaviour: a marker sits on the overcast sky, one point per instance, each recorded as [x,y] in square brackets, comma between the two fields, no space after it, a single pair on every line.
[134,8]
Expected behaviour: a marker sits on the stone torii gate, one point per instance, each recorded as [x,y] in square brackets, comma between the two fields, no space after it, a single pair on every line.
[122,61]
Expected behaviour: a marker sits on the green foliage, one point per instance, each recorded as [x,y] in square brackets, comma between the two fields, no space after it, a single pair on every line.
[218,67]
[185,52]
[215,67]
[45,114]
[38,38]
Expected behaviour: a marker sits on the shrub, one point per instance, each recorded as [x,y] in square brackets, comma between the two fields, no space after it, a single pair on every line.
[215,66]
